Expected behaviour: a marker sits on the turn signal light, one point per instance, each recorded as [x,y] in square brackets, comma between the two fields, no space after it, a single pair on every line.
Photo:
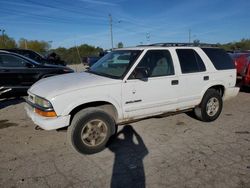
[45,114]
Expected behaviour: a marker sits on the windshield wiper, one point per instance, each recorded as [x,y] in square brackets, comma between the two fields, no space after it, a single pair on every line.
[102,74]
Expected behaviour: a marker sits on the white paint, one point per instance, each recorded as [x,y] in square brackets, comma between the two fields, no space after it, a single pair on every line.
[155,96]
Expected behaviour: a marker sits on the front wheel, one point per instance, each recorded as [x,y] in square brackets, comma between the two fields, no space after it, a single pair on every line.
[210,106]
[90,130]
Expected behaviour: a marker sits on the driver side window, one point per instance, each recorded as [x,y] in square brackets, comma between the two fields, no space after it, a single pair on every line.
[156,63]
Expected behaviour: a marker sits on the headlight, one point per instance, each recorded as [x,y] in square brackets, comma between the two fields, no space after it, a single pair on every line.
[42,102]
[41,106]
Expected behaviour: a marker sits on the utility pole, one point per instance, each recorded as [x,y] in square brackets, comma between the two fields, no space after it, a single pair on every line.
[25,43]
[189,36]
[80,59]
[148,37]
[50,43]
[111,31]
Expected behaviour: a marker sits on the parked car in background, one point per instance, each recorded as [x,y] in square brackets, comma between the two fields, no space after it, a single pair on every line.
[242,61]
[18,72]
[52,58]
[91,60]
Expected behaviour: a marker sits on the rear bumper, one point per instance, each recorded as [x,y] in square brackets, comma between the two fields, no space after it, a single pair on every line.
[45,122]
[230,93]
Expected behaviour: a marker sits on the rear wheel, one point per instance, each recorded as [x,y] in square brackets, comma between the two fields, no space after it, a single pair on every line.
[210,106]
[90,130]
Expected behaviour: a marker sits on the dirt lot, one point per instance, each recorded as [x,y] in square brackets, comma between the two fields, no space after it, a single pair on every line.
[175,151]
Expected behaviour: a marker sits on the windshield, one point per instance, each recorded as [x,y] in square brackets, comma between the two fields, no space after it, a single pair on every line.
[115,64]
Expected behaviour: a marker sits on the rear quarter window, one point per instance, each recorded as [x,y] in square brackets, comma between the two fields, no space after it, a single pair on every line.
[220,59]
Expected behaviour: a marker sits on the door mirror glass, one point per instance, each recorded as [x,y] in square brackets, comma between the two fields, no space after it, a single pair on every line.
[141,73]
[28,65]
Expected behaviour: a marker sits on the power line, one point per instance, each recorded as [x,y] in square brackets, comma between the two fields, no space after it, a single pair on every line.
[52,19]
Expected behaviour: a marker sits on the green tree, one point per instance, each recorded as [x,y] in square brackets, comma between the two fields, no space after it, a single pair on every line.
[7,42]
[38,46]
[243,44]
[196,42]
[71,55]
[22,43]
[120,45]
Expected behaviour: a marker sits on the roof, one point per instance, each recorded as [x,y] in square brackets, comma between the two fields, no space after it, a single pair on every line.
[4,51]
[173,44]
[164,45]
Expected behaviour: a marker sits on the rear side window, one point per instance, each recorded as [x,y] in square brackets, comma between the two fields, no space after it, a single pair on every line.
[190,61]
[219,58]
[7,60]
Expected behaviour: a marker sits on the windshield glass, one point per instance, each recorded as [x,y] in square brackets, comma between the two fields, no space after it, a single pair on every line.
[115,64]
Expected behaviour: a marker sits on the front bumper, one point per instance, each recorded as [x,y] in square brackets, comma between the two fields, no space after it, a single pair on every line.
[231,92]
[47,123]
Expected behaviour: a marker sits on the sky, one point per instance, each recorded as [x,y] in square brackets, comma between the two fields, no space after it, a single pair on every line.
[66,23]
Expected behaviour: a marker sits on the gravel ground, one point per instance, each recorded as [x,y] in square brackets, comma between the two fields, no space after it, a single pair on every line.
[78,67]
[175,151]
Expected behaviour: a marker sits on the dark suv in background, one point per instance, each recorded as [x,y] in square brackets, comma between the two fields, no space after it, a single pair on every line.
[18,72]
[52,58]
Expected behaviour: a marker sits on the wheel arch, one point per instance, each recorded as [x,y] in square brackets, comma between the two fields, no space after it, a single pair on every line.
[107,107]
[218,87]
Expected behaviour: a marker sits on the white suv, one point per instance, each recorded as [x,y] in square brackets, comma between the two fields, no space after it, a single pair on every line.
[131,84]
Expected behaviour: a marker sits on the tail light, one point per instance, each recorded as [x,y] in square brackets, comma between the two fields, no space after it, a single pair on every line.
[235,63]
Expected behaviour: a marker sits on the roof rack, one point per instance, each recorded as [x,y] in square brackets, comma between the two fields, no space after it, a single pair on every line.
[181,44]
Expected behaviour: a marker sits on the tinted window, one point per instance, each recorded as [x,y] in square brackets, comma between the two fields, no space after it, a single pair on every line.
[190,61]
[248,58]
[11,61]
[219,58]
[157,63]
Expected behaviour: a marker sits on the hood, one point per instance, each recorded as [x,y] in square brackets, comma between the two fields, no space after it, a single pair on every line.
[57,85]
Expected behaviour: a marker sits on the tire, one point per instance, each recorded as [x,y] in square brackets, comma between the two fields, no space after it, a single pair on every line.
[210,106]
[90,130]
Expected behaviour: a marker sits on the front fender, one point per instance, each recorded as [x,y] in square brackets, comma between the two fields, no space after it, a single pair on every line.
[64,104]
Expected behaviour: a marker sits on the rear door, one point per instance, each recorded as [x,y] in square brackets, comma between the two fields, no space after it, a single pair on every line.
[192,79]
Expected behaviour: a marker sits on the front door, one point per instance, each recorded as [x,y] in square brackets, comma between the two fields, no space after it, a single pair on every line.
[151,87]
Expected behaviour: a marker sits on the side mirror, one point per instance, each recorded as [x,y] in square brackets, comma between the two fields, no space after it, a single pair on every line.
[141,73]
[29,65]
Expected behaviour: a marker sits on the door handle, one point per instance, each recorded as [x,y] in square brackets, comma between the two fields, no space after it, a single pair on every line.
[206,78]
[175,82]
